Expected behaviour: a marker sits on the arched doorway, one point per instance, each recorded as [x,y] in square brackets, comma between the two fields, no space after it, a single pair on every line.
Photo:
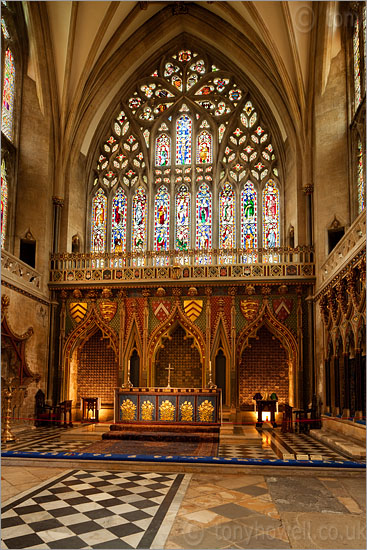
[179,351]
[134,368]
[220,373]
[264,368]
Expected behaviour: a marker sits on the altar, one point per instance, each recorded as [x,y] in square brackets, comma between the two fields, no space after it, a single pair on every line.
[174,406]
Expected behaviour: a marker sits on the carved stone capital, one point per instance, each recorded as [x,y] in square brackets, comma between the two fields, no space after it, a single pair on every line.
[58,201]
[308,189]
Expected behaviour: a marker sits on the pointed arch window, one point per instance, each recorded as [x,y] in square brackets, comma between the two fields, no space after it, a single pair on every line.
[361,184]
[163,150]
[183,140]
[4,203]
[182,218]
[270,212]
[8,95]
[139,232]
[204,148]
[249,220]
[203,222]
[99,222]
[227,238]
[118,228]
[161,220]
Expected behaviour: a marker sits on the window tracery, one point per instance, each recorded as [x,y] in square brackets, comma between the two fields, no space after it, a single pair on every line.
[193,127]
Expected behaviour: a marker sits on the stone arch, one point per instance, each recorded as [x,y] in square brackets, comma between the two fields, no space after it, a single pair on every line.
[177,317]
[220,341]
[78,337]
[133,342]
[287,340]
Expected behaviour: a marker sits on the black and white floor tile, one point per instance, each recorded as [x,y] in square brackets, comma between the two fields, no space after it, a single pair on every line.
[303,445]
[250,450]
[94,509]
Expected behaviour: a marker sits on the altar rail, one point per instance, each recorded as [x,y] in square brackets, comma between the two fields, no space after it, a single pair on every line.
[282,262]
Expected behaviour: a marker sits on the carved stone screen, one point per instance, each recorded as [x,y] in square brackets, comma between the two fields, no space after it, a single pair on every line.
[97,372]
[183,357]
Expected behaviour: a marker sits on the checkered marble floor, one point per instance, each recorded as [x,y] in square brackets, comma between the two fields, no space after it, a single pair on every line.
[98,509]
[250,450]
[302,445]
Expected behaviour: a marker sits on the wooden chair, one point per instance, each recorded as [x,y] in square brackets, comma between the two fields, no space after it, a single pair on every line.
[45,415]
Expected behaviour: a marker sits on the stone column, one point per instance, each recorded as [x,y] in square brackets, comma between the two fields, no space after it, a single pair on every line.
[58,203]
[308,190]
[327,386]
[346,401]
[336,408]
[358,384]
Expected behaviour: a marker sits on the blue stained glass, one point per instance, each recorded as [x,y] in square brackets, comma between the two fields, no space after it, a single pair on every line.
[203,218]
[161,220]
[118,233]
[227,217]
[249,220]
[163,150]
[182,218]
[183,140]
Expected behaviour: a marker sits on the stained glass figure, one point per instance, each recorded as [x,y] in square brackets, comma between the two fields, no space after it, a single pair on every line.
[8,95]
[4,29]
[204,149]
[161,220]
[118,228]
[182,218]
[249,220]
[4,203]
[139,223]
[361,185]
[163,150]
[99,207]
[183,140]
[227,217]
[357,64]
[203,218]
[270,215]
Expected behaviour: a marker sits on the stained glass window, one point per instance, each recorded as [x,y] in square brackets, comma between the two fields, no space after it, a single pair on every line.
[183,140]
[99,207]
[182,218]
[161,220]
[227,217]
[139,223]
[8,95]
[4,203]
[270,215]
[249,220]
[204,148]
[361,186]
[357,64]
[118,229]
[163,150]
[203,222]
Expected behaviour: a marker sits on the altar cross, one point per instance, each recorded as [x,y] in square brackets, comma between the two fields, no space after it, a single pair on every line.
[169,368]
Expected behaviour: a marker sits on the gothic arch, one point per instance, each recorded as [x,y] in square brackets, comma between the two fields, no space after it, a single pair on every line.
[221,337]
[177,317]
[79,337]
[283,334]
[133,341]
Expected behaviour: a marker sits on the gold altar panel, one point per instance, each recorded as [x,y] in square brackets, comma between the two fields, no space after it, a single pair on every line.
[206,410]
[128,410]
[97,370]
[183,357]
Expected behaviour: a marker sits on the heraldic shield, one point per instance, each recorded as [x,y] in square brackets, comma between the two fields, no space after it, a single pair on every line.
[78,310]
[250,309]
[108,310]
[193,308]
[282,308]
[161,309]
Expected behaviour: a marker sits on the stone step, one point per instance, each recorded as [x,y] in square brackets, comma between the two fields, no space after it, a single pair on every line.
[339,443]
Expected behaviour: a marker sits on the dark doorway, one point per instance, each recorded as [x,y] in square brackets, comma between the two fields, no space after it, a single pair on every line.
[134,368]
[220,373]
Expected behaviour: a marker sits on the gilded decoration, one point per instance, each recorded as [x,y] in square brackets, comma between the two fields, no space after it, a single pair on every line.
[193,308]
[128,410]
[147,410]
[108,310]
[206,410]
[249,309]
[78,310]
[186,411]
[167,411]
